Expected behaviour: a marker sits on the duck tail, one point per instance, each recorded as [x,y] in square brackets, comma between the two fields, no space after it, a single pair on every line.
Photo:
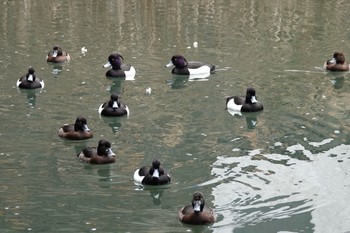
[227,98]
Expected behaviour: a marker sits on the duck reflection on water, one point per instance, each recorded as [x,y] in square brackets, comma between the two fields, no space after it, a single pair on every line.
[251,117]
[180,81]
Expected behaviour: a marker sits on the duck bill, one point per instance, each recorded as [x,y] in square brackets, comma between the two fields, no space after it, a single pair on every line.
[155,173]
[332,61]
[254,99]
[108,64]
[115,104]
[110,153]
[55,53]
[30,78]
[86,128]
[197,206]
[169,64]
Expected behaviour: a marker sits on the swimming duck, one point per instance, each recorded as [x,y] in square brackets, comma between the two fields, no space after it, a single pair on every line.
[114,107]
[119,69]
[337,63]
[100,155]
[183,67]
[154,175]
[30,81]
[57,55]
[197,213]
[244,104]
[77,131]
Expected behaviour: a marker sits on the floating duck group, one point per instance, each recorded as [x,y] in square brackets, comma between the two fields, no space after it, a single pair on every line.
[196,212]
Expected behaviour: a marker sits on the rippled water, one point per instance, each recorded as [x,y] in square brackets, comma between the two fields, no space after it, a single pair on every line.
[285,169]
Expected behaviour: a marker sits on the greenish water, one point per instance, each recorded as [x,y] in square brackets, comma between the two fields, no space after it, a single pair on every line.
[286,173]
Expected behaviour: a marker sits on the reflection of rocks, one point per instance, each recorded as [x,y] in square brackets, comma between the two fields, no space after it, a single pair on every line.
[172,131]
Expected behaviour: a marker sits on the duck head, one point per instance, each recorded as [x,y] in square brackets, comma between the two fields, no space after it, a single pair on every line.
[104,149]
[30,76]
[154,171]
[178,61]
[56,51]
[198,202]
[81,124]
[113,102]
[114,60]
[250,96]
[339,57]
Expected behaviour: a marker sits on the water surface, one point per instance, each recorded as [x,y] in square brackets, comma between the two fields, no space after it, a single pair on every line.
[285,169]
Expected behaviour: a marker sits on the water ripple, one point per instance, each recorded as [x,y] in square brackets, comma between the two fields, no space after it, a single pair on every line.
[252,190]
